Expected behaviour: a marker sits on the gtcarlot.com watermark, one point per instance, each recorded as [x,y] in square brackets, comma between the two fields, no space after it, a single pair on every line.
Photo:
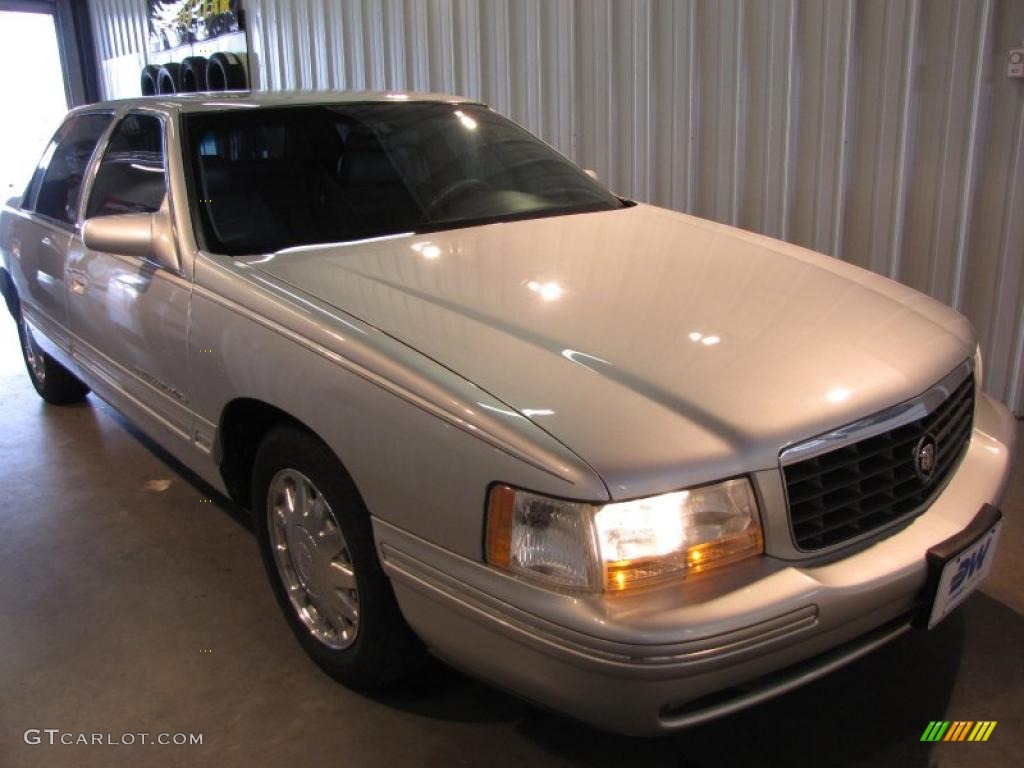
[57,737]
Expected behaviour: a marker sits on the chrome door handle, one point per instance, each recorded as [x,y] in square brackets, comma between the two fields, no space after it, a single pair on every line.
[47,241]
[79,282]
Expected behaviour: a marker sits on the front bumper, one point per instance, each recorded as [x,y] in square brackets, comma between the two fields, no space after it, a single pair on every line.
[675,656]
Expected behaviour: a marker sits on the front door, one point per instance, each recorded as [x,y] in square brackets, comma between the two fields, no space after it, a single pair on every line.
[128,315]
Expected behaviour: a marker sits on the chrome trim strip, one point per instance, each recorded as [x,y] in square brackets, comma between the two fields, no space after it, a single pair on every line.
[40,320]
[779,683]
[736,644]
[883,421]
[105,369]
[385,383]
[114,388]
[92,168]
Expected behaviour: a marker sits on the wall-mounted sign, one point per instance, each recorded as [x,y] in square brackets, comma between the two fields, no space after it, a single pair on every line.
[174,23]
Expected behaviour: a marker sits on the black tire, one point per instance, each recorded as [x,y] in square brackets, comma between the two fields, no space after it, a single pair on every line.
[54,383]
[169,80]
[225,72]
[148,81]
[193,74]
[384,647]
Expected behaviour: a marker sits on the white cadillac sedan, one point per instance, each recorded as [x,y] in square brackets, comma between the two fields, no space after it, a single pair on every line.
[638,467]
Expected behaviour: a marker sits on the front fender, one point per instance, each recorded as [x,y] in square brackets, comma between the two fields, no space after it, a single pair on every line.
[421,443]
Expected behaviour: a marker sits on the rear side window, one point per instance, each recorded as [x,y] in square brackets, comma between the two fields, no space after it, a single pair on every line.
[57,182]
[131,177]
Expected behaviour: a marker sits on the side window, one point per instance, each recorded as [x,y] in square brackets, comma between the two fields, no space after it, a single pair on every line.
[57,183]
[28,202]
[131,177]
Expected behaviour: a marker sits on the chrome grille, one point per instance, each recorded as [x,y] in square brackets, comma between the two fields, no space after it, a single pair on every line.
[863,486]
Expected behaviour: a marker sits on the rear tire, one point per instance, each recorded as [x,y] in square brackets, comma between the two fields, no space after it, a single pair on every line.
[54,383]
[317,547]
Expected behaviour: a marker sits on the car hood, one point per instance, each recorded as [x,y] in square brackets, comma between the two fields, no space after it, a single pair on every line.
[663,349]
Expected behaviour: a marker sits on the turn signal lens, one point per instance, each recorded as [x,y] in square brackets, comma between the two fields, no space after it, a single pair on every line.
[625,544]
[542,538]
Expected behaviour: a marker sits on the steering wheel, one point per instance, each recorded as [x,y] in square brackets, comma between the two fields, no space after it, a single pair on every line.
[457,186]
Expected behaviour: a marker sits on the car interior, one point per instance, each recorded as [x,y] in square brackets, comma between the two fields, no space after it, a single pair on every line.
[298,176]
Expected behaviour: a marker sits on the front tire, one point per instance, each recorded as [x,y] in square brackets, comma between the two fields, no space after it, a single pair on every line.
[54,383]
[317,547]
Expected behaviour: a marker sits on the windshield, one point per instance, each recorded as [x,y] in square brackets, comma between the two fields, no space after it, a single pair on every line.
[268,179]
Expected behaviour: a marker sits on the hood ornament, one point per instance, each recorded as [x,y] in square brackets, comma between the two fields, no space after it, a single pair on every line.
[925,456]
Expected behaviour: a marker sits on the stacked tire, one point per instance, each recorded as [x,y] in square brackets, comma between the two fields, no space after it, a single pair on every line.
[226,72]
[195,74]
[150,76]
[169,79]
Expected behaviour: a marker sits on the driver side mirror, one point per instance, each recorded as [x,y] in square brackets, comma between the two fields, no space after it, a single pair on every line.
[146,235]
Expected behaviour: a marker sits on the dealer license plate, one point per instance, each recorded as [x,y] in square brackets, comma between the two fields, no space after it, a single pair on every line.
[963,572]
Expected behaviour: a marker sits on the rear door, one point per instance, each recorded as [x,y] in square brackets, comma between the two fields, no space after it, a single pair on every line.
[129,315]
[42,227]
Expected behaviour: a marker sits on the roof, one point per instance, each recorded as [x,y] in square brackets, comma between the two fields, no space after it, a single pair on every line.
[226,100]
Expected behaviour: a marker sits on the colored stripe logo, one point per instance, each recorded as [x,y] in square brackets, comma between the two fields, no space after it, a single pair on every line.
[958,730]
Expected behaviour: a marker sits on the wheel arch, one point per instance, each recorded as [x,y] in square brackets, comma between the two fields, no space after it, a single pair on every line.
[9,291]
[244,422]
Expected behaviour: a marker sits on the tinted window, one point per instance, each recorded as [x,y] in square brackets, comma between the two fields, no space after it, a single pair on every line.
[28,202]
[130,178]
[269,179]
[57,183]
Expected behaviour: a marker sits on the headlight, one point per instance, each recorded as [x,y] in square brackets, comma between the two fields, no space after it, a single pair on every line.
[624,544]
[977,366]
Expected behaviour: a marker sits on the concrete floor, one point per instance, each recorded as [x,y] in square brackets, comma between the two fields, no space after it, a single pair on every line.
[131,603]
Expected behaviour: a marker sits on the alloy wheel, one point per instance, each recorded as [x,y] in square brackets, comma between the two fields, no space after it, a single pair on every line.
[313,559]
[33,354]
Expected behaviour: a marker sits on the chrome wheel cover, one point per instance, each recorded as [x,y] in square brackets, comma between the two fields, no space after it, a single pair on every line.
[312,559]
[33,354]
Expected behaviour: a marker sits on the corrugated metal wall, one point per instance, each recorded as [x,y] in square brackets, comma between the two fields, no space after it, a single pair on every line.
[883,132]
[119,29]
